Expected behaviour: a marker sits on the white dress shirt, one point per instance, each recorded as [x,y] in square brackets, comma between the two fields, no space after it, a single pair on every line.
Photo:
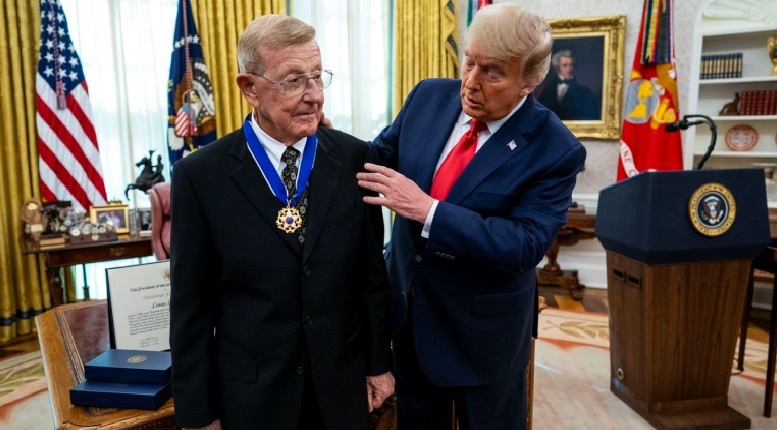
[461,126]
[274,149]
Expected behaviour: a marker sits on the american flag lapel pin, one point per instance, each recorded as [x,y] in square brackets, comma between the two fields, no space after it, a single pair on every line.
[511,145]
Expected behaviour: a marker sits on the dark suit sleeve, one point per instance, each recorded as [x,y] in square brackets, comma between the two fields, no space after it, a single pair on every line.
[385,148]
[518,240]
[370,271]
[377,295]
[192,307]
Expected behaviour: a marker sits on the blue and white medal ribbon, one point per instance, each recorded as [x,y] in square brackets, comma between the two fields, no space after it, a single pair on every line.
[289,219]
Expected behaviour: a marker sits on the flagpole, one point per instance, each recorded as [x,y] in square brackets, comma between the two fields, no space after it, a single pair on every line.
[59,87]
[188,74]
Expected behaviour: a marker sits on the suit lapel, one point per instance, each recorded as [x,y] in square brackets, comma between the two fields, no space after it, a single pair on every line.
[432,145]
[508,142]
[323,184]
[253,186]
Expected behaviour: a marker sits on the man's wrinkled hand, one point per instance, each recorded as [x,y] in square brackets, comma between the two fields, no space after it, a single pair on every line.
[379,388]
[398,193]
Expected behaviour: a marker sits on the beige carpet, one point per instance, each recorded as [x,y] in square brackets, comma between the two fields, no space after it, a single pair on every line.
[572,368]
[572,378]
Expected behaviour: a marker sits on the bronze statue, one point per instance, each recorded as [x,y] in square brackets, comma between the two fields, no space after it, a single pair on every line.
[732,107]
[149,176]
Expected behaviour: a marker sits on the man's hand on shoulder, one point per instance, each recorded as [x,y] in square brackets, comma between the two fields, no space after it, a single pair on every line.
[399,193]
[379,388]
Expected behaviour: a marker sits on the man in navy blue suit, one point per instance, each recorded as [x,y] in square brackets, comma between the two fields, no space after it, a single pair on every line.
[473,223]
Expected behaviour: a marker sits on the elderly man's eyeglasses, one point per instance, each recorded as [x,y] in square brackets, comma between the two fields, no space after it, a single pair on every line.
[295,85]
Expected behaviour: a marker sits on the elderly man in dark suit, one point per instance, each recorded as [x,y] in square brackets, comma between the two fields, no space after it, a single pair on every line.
[280,301]
[564,95]
[480,176]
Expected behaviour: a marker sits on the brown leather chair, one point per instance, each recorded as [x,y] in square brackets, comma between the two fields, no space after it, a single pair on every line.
[160,220]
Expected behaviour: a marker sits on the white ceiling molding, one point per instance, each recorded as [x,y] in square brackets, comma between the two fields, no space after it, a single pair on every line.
[746,10]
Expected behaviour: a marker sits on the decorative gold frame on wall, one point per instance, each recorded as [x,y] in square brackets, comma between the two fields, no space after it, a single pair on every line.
[613,29]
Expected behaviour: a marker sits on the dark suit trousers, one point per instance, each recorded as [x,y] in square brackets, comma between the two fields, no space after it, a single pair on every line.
[424,406]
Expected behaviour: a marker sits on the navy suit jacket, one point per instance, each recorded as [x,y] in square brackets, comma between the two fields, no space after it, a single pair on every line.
[474,277]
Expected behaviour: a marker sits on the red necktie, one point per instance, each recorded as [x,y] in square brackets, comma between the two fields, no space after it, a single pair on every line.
[456,161]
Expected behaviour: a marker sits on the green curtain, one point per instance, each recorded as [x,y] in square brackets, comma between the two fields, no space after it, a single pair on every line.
[425,44]
[23,286]
[220,24]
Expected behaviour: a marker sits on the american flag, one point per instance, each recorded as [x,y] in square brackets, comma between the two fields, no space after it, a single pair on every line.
[69,158]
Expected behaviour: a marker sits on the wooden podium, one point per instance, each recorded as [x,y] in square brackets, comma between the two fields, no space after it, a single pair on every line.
[675,294]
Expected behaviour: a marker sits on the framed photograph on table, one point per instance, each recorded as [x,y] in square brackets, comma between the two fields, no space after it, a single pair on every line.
[117,215]
[585,81]
[144,221]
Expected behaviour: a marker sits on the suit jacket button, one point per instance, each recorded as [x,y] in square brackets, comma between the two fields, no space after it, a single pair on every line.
[418,258]
[404,295]
[300,370]
[308,320]
[306,270]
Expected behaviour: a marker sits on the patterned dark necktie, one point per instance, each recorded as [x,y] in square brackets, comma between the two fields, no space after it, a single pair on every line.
[289,177]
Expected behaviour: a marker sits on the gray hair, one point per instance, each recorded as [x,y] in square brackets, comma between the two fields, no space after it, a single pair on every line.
[269,33]
[506,31]
[556,58]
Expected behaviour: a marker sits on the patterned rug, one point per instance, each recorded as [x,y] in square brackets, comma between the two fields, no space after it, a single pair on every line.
[572,371]
[24,401]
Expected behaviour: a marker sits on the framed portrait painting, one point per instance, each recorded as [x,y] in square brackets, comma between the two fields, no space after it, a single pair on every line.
[585,81]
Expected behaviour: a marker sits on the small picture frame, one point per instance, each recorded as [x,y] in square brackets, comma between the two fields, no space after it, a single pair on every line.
[144,219]
[56,212]
[117,215]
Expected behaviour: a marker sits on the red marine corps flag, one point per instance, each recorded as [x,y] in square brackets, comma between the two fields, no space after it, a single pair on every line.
[69,159]
[651,99]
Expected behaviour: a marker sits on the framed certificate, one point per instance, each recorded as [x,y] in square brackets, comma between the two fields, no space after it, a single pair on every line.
[139,306]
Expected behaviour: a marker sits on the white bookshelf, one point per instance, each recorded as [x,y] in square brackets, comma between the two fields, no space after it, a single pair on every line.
[725,27]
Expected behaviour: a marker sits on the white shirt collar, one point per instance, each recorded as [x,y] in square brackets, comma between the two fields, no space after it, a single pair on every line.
[493,126]
[274,148]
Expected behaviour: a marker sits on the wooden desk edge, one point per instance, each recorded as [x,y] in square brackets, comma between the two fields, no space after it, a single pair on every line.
[51,346]
[68,416]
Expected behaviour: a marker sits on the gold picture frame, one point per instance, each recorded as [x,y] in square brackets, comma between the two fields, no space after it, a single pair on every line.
[597,44]
[117,214]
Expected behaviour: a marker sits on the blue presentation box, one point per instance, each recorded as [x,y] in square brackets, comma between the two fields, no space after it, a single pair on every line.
[127,365]
[120,395]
